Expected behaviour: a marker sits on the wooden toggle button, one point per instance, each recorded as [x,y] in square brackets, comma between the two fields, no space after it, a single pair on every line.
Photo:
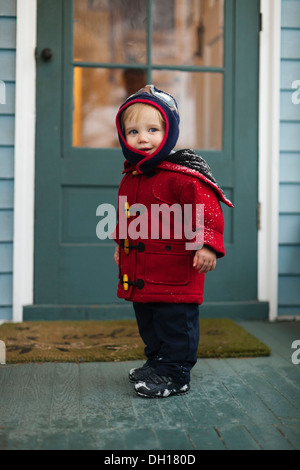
[127,211]
[126,246]
[125,282]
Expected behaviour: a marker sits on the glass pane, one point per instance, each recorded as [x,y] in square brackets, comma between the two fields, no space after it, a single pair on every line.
[188,32]
[110,31]
[98,94]
[200,101]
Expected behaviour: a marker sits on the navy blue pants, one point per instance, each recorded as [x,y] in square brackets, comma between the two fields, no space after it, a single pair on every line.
[171,335]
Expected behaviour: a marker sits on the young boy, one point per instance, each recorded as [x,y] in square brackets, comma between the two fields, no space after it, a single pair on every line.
[164,279]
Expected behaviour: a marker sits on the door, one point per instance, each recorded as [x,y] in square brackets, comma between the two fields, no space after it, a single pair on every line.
[205,52]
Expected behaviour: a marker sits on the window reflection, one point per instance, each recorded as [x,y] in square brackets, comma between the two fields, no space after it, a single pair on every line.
[184,33]
[200,101]
[98,94]
[110,31]
[188,32]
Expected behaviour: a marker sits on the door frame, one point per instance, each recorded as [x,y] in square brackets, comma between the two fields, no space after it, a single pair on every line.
[24,161]
[25,135]
[269,117]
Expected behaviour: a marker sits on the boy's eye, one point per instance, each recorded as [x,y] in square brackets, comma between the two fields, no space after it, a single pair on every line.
[133,131]
[152,129]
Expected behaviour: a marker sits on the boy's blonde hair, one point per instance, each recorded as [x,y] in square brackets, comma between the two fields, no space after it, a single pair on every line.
[135,110]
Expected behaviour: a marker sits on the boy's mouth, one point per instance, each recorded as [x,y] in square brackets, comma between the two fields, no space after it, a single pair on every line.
[146,149]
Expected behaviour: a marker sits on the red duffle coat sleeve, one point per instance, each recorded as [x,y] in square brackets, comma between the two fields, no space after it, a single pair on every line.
[201,195]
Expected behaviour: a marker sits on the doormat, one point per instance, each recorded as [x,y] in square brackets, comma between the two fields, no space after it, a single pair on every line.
[118,340]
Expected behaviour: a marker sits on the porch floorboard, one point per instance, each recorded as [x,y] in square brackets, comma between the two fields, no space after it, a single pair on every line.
[233,404]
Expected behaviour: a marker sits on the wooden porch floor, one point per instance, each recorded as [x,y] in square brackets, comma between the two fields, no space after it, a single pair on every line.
[233,404]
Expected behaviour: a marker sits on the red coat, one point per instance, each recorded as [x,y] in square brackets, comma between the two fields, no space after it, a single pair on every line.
[161,270]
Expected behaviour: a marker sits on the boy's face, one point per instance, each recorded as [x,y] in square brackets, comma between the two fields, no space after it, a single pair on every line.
[145,130]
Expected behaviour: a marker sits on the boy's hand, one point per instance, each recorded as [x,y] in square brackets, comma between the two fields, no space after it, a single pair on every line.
[205,260]
[116,255]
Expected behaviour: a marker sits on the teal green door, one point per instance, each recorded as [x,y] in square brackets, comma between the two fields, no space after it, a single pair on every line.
[206,54]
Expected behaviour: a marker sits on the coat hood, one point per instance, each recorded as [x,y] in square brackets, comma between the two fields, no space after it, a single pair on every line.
[167,106]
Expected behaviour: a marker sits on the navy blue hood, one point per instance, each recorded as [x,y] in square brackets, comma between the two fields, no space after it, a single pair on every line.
[167,105]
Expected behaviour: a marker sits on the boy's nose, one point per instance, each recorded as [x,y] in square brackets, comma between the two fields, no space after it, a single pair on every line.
[143,137]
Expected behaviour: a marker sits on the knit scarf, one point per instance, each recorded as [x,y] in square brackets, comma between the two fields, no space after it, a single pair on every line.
[190,159]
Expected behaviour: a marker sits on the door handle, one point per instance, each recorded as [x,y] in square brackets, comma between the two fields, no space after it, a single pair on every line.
[46,54]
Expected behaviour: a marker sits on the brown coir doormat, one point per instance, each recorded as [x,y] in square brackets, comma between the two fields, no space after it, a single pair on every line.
[94,341]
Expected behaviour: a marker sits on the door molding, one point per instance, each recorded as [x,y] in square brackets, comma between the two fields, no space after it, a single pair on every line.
[269,121]
[24,173]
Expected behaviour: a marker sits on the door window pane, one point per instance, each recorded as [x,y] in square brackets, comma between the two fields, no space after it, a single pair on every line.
[97,95]
[188,32]
[200,102]
[112,31]
[184,32]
